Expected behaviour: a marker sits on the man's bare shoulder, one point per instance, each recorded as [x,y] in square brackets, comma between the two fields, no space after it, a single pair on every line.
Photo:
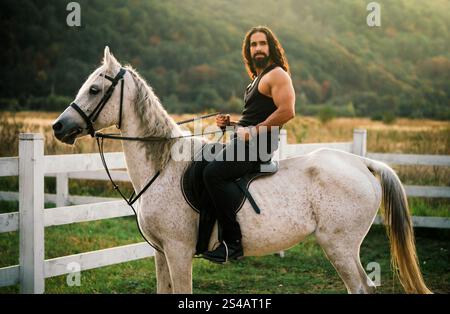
[278,76]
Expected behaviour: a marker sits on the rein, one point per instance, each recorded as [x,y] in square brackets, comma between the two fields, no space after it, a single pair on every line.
[133,198]
[116,136]
[100,137]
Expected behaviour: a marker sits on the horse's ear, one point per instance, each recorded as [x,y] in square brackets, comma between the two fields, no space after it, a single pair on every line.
[106,55]
[108,58]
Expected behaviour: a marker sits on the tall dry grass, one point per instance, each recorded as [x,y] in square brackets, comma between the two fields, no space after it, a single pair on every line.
[11,124]
[403,136]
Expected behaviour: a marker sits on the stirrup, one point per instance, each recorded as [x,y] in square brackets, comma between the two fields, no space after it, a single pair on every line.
[217,256]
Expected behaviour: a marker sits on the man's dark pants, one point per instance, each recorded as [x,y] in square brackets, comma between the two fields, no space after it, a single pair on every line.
[219,176]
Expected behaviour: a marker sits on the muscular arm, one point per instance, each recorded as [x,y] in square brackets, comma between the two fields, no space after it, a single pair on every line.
[283,95]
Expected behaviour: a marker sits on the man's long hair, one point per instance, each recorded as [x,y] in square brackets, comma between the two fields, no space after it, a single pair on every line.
[276,52]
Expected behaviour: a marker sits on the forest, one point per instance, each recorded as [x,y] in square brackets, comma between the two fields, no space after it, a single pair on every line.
[190,53]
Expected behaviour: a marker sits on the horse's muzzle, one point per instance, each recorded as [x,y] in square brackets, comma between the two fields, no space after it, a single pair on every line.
[66,131]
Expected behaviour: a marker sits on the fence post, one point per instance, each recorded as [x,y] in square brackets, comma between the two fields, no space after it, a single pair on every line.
[31,212]
[360,142]
[282,147]
[62,189]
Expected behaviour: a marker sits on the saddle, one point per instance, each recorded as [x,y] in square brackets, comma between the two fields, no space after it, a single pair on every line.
[195,194]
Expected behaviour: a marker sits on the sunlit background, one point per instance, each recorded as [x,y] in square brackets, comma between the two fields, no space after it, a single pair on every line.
[190,53]
[392,80]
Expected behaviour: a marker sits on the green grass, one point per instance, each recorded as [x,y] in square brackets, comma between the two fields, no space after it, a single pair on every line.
[303,270]
[437,207]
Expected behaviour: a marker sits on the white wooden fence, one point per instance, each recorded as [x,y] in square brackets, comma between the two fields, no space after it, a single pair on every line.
[32,166]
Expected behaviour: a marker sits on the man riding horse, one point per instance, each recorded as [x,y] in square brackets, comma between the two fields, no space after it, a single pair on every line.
[269,103]
[332,194]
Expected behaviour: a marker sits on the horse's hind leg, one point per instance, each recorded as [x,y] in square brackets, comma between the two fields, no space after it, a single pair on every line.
[163,281]
[343,253]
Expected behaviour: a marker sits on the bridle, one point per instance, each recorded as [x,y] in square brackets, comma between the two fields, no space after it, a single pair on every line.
[93,116]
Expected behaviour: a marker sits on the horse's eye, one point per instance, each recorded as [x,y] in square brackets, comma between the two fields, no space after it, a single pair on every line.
[94,90]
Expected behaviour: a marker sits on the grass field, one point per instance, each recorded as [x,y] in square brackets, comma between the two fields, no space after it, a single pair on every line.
[304,269]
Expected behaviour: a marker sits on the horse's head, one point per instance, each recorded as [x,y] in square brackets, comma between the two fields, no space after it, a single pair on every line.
[97,105]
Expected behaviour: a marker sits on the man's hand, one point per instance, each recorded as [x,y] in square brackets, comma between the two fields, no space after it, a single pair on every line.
[223,120]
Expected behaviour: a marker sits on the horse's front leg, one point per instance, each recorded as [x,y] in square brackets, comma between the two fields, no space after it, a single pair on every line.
[163,281]
[179,258]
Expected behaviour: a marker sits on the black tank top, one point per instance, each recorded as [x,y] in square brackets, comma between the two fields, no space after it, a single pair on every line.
[257,107]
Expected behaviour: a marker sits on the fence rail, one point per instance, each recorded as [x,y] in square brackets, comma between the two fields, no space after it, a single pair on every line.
[31,166]
[61,265]
[58,266]
[9,166]
[412,159]
[90,162]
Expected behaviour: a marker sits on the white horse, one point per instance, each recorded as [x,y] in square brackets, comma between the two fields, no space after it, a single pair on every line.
[330,193]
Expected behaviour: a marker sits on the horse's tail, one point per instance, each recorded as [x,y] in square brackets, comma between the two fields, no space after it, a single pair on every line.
[399,228]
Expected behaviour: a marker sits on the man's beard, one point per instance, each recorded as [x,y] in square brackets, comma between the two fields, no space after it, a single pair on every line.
[260,63]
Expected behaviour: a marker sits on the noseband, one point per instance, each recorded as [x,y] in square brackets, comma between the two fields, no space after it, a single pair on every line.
[92,117]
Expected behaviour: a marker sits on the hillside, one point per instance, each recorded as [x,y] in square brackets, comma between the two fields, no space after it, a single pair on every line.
[190,52]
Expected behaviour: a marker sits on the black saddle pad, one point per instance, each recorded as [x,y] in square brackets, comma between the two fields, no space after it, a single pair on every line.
[193,186]
[195,194]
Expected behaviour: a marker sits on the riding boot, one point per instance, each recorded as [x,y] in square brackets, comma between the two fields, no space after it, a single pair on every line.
[225,252]
[207,220]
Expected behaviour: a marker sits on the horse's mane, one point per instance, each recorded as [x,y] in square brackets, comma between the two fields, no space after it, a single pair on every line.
[154,121]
